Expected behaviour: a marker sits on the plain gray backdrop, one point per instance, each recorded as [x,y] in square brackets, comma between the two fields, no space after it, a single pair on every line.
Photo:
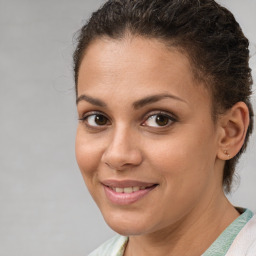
[45,208]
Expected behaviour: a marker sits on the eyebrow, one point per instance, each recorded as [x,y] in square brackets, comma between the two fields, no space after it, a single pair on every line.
[136,105]
[154,98]
[93,101]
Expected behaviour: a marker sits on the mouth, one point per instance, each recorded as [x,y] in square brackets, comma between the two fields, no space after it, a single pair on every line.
[129,190]
[126,192]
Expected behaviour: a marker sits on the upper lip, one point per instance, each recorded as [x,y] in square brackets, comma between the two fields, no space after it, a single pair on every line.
[126,183]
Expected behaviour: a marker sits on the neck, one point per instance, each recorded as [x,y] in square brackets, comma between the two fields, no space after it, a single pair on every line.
[191,236]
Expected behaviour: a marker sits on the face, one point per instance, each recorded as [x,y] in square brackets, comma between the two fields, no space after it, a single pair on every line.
[146,143]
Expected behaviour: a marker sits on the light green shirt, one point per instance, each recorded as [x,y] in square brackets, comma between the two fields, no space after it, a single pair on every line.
[221,245]
[116,245]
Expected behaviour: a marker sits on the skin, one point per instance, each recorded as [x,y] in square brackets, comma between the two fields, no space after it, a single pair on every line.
[187,210]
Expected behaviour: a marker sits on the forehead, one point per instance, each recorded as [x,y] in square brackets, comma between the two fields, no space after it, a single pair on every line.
[137,64]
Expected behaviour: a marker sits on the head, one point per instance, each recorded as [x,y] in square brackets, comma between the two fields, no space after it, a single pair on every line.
[205,32]
[204,39]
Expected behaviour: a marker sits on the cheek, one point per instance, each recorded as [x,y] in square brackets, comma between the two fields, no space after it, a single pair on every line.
[186,171]
[87,155]
[183,158]
[172,152]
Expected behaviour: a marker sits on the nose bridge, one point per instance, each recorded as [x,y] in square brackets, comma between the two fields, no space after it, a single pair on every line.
[122,151]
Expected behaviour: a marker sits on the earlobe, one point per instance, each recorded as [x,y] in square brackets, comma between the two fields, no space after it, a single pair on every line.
[234,124]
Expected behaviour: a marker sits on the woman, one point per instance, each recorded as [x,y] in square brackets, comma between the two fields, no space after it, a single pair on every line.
[163,97]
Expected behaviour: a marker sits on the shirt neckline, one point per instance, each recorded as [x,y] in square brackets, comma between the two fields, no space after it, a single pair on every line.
[221,245]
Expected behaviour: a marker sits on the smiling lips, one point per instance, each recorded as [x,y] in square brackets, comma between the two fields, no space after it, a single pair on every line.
[126,192]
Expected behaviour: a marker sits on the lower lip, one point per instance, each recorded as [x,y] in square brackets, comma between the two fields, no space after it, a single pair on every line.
[126,198]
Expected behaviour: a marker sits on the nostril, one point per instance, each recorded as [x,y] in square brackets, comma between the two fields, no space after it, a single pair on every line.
[109,165]
[117,167]
[121,153]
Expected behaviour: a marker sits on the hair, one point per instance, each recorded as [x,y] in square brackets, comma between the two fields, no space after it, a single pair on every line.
[202,29]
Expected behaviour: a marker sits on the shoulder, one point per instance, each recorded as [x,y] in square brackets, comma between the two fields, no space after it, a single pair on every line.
[245,242]
[113,247]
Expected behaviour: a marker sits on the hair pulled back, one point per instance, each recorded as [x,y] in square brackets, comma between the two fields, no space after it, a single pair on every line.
[202,29]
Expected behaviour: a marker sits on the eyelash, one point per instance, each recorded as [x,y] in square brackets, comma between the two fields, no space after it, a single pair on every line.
[85,118]
[171,119]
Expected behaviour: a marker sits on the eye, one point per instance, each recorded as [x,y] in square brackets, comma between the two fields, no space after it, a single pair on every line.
[95,120]
[159,120]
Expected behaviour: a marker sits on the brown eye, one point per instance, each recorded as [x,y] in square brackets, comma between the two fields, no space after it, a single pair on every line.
[159,120]
[162,120]
[97,120]
[100,120]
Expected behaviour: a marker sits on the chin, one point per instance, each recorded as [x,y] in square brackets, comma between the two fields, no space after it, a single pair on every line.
[127,230]
[127,224]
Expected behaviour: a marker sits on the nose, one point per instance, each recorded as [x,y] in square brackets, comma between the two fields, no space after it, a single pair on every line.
[122,151]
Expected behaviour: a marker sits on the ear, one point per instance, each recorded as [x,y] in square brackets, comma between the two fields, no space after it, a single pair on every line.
[233,124]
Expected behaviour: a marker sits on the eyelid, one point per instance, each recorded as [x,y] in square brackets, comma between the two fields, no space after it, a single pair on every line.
[173,118]
[90,113]
[86,115]
[161,112]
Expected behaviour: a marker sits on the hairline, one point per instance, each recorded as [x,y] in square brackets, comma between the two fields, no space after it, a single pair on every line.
[170,44]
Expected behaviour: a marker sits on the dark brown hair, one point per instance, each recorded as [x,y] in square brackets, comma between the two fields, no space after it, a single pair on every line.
[205,31]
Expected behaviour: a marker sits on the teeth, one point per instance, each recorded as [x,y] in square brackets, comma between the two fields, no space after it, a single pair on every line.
[134,189]
[119,190]
[128,190]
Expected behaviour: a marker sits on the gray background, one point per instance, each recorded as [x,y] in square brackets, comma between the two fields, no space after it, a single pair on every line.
[45,208]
